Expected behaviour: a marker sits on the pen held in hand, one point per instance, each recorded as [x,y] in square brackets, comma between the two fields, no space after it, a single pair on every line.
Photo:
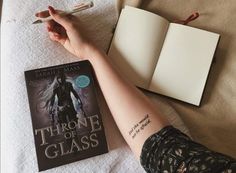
[80,7]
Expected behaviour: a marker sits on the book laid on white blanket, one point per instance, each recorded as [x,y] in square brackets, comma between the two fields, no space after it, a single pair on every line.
[67,123]
[166,58]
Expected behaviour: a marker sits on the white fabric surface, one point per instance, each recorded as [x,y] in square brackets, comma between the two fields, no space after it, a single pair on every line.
[25,46]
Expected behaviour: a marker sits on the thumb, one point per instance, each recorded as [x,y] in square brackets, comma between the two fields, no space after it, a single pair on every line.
[59,18]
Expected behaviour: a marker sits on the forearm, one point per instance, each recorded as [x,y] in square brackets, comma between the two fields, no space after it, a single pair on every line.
[127,104]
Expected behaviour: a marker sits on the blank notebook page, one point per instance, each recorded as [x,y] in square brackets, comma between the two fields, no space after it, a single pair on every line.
[184,63]
[137,43]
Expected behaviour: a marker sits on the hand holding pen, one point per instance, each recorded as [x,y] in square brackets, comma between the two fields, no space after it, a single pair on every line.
[68,31]
[76,9]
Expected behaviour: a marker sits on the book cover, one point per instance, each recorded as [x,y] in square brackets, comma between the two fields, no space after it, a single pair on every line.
[66,120]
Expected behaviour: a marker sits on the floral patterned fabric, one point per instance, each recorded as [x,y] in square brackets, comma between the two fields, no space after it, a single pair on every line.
[171,151]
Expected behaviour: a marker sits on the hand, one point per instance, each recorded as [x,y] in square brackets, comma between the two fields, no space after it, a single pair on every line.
[67,30]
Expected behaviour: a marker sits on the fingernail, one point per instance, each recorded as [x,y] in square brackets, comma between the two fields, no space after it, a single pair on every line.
[37,14]
[51,9]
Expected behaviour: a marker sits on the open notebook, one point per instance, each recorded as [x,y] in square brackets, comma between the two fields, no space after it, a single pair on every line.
[166,58]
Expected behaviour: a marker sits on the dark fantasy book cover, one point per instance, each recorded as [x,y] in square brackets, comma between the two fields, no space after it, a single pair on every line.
[67,124]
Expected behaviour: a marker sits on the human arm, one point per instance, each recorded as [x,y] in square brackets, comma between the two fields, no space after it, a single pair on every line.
[128,105]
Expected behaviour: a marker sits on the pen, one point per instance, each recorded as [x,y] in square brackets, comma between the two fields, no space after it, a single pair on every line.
[80,7]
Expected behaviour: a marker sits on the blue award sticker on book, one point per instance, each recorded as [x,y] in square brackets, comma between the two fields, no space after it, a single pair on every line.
[82,81]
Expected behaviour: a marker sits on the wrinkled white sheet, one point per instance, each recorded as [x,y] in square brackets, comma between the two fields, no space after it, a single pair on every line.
[25,46]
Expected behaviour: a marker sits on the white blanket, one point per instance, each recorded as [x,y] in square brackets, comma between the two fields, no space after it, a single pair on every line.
[25,46]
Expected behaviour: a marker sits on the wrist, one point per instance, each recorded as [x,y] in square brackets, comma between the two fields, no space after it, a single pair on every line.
[94,53]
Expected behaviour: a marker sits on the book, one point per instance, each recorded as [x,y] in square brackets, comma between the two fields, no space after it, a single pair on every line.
[166,58]
[67,123]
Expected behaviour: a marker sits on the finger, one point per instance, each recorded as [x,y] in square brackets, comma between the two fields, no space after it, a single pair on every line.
[61,19]
[56,37]
[53,36]
[55,27]
[44,14]
[59,29]
[50,25]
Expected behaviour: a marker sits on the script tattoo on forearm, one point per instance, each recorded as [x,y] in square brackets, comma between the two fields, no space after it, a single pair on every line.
[138,127]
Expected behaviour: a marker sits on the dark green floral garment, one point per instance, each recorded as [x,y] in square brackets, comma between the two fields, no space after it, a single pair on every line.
[171,151]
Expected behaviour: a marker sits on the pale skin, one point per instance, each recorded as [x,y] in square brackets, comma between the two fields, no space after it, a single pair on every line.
[127,104]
